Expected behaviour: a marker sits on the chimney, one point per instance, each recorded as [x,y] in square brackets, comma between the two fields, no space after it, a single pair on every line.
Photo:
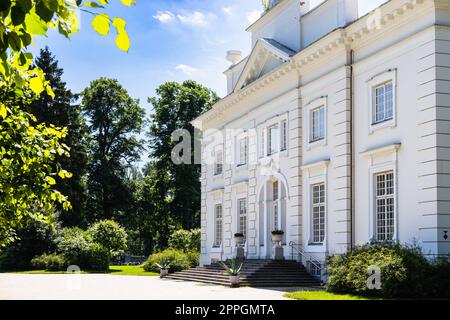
[234,56]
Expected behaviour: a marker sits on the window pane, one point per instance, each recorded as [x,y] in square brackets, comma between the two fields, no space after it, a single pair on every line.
[385,206]
[318,213]
[318,124]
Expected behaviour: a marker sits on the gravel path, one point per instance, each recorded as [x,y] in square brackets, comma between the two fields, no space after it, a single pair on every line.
[111,287]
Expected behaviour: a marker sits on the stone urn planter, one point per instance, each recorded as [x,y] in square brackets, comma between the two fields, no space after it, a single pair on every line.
[233,269]
[277,236]
[163,266]
[163,273]
[278,251]
[239,238]
[234,281]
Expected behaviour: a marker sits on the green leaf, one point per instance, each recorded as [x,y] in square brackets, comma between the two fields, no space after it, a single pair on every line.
[5,5]
[36,85]
[26,5]
[3,111]
[35,25]
[122,40]
[44,12]
[101,24]
[128,2]
[92,4]
[14,41]
[17,15]
[51,181]
[26,39]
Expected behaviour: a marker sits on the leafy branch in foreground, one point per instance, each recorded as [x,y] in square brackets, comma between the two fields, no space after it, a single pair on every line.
[28,149]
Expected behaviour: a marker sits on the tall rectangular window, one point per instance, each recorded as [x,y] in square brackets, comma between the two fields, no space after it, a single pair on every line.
[272,145]
[242,151]
[283,135]
[383,104]
[242,206]
[384,205]
[276,214]
[218,165]
[218,225]
[318,213]
[262,144]
[317,124]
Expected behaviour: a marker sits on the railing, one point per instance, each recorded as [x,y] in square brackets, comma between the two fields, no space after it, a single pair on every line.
[304,256]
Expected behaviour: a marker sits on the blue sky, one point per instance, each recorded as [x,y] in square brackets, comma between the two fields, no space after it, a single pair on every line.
[172,40]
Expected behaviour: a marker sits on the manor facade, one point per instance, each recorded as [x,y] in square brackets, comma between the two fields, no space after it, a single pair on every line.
[335,130]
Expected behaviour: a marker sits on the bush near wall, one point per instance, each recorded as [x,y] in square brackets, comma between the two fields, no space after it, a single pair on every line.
[185,240]
[91,250]
[405,272]
[50,262]
[178,259]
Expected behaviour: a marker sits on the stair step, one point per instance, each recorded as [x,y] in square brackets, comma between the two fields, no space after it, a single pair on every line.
[257,273]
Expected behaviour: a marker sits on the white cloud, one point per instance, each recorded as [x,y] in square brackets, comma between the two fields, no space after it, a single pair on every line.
[164,16]
[196,19]
[252,16]
[187,70]
[227,10]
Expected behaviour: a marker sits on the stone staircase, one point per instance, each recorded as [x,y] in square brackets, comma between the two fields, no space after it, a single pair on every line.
[254,273]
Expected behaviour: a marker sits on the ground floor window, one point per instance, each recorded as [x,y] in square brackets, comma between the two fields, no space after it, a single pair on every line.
[218,225]
[384,206]
[242,205]
[318,213]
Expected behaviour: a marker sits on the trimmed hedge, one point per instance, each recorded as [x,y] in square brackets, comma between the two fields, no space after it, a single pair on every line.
[185,240]
[50,262]
[405,272]
[179,260]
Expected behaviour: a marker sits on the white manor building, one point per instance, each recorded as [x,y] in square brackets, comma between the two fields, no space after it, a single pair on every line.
[336,130]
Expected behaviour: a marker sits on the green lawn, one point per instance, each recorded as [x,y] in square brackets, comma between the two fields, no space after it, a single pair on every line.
[321,295]
[113,270]
[130,271]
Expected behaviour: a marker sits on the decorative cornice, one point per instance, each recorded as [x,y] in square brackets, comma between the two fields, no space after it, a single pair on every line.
[378,18]
[390,148]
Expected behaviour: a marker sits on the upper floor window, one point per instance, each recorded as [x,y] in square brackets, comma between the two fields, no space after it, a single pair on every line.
[318,213]
[383,108]
[283,135]
[382,100]
[272,134]
[317,124]
[242,151]
[218,164]
[384,206]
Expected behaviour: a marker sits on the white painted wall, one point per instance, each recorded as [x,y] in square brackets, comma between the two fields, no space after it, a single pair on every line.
[411,50]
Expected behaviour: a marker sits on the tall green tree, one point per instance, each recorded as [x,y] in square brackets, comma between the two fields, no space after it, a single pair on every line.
[149,218]
[175,106]
[28,149]
[62,111]
[115,122]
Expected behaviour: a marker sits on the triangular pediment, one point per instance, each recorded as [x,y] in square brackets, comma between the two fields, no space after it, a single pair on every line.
[266,56]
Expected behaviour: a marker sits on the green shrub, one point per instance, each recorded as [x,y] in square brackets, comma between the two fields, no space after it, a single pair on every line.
[195,239]
[194,258]
[402,271]
[49,262]
[78,248]
[110,235]
[95,258]
[72,244]
[185,240]
[177,258]
[437,280]
[35,238]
